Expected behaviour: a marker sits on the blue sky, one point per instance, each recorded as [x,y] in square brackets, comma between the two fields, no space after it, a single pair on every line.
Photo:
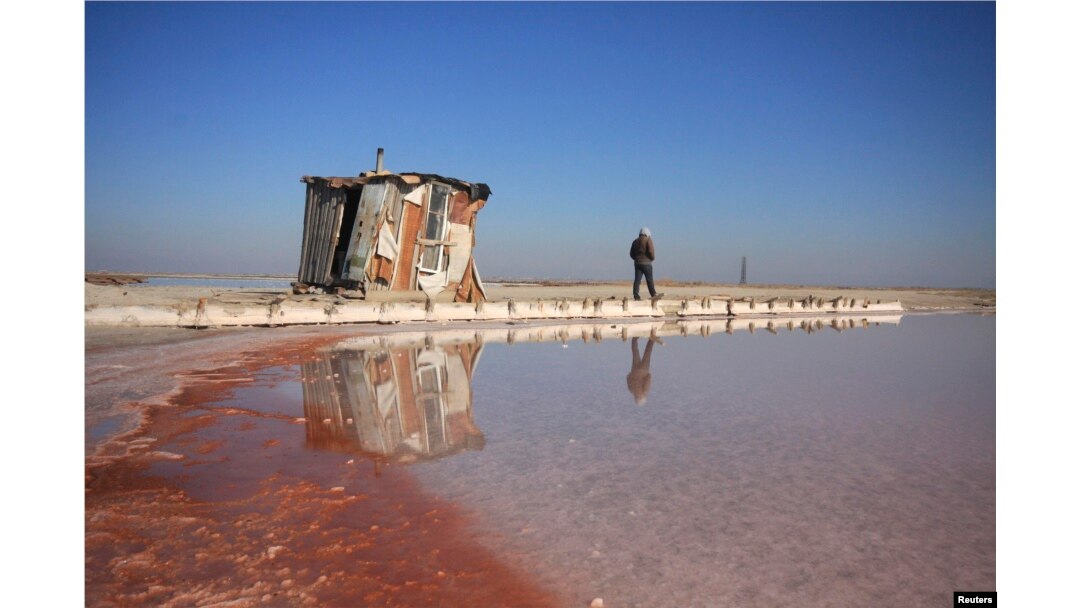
[829,143]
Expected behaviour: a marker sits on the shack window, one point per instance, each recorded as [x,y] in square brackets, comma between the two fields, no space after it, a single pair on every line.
[435,225]
[431,398]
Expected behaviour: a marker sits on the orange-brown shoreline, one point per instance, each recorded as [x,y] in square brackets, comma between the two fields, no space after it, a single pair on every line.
[336,535]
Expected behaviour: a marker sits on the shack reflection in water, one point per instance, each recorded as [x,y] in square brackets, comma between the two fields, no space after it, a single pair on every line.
[407,397]
[399,404]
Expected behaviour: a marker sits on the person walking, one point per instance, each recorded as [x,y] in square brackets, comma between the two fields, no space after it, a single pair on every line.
[643,252]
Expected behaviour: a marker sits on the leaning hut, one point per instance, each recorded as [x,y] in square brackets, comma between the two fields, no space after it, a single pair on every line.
[393,232]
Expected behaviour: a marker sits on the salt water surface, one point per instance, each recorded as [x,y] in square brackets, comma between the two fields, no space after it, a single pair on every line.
[820,464]
[832,469]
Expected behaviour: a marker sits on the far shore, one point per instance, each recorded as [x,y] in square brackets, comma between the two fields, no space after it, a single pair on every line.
[120,278]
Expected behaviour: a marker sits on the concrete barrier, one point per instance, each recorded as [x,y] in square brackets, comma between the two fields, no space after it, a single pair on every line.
[308,312]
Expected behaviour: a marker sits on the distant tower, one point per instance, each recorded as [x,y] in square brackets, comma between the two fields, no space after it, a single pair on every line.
[742,278]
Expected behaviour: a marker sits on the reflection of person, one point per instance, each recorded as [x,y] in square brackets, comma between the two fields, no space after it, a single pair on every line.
[639,379]
[643,253]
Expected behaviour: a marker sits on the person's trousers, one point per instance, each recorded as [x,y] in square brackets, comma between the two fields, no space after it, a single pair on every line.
[643,269]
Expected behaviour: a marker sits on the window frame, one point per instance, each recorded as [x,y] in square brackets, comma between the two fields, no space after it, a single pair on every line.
[445,219]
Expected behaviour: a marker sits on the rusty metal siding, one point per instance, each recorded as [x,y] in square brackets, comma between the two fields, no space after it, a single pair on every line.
[459,208]
[400,210]
[412,217]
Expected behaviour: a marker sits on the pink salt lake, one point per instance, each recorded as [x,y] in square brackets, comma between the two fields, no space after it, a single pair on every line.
[792,469]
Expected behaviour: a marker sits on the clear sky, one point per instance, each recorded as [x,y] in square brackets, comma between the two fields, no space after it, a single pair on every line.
[829,143]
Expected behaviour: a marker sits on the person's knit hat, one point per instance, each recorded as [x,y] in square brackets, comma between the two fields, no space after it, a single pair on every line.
[646,232]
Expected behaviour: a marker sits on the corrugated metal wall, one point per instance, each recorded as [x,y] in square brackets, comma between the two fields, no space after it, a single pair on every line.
[322,223]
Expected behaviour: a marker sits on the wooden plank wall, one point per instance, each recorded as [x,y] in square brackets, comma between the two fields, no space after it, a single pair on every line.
[362,241]
[413,216]
[380,267]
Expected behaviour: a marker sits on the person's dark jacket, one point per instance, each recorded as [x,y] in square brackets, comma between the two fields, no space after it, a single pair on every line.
[642,250]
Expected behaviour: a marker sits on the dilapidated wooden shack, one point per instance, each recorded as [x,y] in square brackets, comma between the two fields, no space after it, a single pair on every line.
[400,232]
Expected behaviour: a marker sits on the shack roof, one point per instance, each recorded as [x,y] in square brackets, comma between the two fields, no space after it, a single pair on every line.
[476,191]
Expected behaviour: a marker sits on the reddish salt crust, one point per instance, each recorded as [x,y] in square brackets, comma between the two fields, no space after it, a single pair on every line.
[226,504]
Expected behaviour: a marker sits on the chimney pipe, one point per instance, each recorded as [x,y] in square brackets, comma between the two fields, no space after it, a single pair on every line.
[378,161]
